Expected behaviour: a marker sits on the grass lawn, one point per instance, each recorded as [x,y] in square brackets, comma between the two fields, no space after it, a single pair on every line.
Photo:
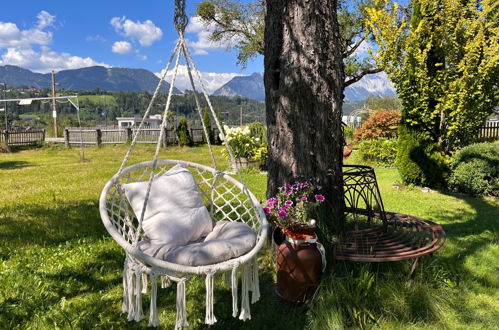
[60,269]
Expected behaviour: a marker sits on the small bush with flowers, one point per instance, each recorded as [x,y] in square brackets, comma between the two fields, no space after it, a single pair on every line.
[294,203]
[243,143]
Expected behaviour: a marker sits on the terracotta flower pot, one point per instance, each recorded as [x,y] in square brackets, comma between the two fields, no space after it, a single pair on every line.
[299,263]
[239,163]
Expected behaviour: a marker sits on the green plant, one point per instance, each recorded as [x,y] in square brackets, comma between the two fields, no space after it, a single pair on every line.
[207,124]
[242,144]
[475,170]
[347,133]
[418,160]
[184,138]
[262,155]
[258,131]
[382,124]
[380,151]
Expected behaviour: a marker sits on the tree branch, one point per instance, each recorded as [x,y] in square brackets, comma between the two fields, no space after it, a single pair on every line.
[358,77]
[350,51]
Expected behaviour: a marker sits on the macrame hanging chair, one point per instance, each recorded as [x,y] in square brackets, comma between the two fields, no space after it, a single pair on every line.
[225,198]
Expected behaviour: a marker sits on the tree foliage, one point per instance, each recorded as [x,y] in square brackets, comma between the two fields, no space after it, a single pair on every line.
[242,25]
[444,61]
[382,124]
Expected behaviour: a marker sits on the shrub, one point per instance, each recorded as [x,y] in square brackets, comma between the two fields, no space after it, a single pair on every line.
[348,133]
[207,123]
[258,131]
[382,124]
[475,170]
[184,138]
[242,144]
[418,161]
[380,151]
[262,155]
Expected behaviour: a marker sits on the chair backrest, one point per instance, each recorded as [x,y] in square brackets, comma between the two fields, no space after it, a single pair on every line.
[225,197]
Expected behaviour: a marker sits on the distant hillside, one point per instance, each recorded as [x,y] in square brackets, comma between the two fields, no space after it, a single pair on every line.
[252,87]
[109,79]
[246,86]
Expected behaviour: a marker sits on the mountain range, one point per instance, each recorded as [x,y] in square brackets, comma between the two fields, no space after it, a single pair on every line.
[252,87]
[136,80]
[109,79]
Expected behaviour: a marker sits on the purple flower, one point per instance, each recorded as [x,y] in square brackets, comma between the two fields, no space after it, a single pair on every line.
[295,187]
[272,201]
[266,210]
[304,198]
[289,203]
[282,213]
[289,192]
[320,198]
[304,185]
[284,207]
[288,186]
[319,187]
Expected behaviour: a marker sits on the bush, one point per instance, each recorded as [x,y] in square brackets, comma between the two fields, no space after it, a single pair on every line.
[382,124]
[475,170]
[418,161]
[207,123]
[258,131]
[380,151]
[347,133]
[184,138]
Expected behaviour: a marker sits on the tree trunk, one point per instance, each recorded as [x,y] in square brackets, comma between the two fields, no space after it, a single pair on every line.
[304,95]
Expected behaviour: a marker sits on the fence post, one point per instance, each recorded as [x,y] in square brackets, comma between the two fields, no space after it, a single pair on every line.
[99,137]
[6,137]
[43,134]
[129,134]
[66,137]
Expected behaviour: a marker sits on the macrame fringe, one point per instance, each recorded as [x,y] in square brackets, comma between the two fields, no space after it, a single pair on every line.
[130,294]
[210,315]
[165,282]
[181,309]
[153,316]
[255,283]
[144,283]
[139,315]
[233,279]
[124,306]
[245,305]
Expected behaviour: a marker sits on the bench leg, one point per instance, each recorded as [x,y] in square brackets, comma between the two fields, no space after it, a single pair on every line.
[413,268]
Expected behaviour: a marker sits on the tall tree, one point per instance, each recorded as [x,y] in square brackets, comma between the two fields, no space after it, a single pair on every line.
[304,82]
[242,25]
[444,62]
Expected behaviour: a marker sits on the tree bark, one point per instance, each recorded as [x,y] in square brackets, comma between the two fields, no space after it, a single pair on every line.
[304,77]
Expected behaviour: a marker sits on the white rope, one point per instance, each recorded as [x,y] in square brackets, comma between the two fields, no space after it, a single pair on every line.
[156,92]
[131,293]
[181,308]
[245,306]
[233,278]
[255,284]
[139,315]
[124,306]
[210,315]
[153,316]
[144,283]
[198,106]
[165,282]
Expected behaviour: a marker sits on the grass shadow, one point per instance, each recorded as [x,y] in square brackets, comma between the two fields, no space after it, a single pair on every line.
[14,165]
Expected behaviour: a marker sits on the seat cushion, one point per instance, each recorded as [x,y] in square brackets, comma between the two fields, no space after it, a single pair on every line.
[228,240]
[175,213]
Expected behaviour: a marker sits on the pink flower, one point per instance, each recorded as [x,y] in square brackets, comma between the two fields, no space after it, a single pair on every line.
[266,210]
[288,203]
[282,213]
[320,198]
[284,207]
[304,198]
[272,201]
[289,192]
[295,187]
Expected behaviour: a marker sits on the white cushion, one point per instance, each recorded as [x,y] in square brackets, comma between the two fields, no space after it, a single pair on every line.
[228,240]
[175,212]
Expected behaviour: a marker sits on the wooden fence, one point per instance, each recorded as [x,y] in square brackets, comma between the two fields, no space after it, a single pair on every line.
[22,137]
[489,131]
[98,136]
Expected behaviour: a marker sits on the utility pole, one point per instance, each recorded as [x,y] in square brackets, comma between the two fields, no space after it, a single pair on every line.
[241,116]
[54,110]
[5,104]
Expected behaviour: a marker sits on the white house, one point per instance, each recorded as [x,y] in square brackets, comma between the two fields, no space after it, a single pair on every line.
[153,121]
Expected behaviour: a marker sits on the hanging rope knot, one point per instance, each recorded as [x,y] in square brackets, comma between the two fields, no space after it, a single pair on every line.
[180,19]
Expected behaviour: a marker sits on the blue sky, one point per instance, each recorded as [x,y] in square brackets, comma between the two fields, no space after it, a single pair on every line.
[46,35]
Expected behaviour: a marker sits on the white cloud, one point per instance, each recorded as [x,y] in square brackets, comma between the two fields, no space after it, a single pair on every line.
[146,33]
[44,20]
[29,48]
[202,43]
[211,80]
[97,37]
[122,47]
